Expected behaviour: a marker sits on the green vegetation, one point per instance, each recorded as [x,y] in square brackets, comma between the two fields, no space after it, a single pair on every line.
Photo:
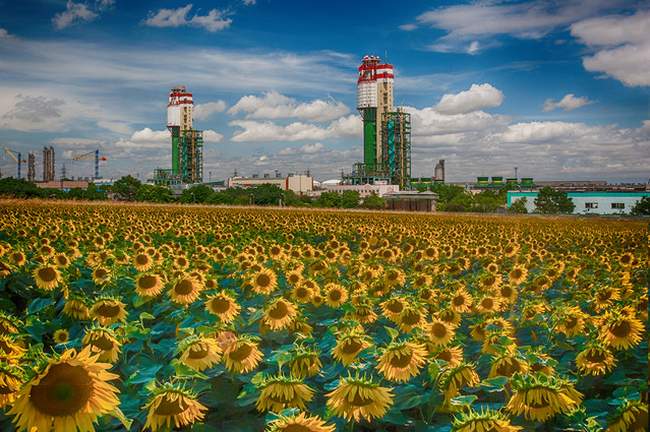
[519,206]
[642,208]
[551,201]
[21,188]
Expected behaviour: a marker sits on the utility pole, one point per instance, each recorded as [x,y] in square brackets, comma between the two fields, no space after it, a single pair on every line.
[516,168]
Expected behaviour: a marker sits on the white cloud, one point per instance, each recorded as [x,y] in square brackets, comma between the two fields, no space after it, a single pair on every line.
[76,142]
[74,12]
[214,21]
[622,46]
[273,105]
[254,131]
[478,96]
[528,20]
[203,111]
[568,103]
[305,149]
[4,34]
[249,2]
[210,136]
[408,27]
[148,135]
[537,132]
[473,47]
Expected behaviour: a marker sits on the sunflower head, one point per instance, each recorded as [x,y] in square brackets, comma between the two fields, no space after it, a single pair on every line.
[280,314]
[186,289]
[299,423]
[595,359]
[61,336]
[11,380]
[242,354]
[47,277]
[224,305]
[103,341]
[149,285]
[400,361]
[305,361]
[356,398]
[199,352]
[72,389]
[278,392]
[76,308]
[631,415]
[349,344]
[484,420]
[620,329]
[108,310]
[539,397]
[172,406]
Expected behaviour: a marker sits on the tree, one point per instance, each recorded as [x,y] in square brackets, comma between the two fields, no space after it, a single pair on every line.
[19,188]
[519,206]
[487,201]
[154,193]
[373,202]
[642,207]
[461,202]
[329,200]
[349,199]
[126,188]
[266,194]
[551,201]
[198,194]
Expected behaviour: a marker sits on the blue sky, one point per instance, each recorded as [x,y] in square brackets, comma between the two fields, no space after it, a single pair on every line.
[559,89]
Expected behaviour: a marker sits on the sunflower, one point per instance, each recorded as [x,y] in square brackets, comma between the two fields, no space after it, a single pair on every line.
[411,317]
[400,361]
[349,344]
[488,304]
[186,290]
[452,355]
[278,392]
[71,392]
[507,365]
[440,332]
[101,276]
[631,416]
[264,281]
[571,321]
[108,310]
[172,406]
[242,355]
[103,341]
[142,262]
[47,277]
[621,330]
[61,336]
[595,360]
[305,362]
[461,301]
[77,309]
[454,379]
[518,275]
[224,306]
[539,397]
[483,421]
[10,350]
[199,352]
[149,285]
[279,314]
[299,423]
[392,308]
[335,295]
[11,380]
[357,398]
[9,324]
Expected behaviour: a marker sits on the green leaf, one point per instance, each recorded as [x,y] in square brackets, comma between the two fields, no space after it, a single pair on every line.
[495,384]
[39,304]
[464,400]
[392,332]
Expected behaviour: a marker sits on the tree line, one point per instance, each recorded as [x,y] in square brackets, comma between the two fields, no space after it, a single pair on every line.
[451,198]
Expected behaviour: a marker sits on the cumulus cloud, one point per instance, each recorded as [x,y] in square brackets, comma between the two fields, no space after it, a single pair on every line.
[249,2]
[408,27]
[253,131]
[210,136]
[4,34]
[214,21]
[203,111]
[305,149]
[568,103]
[74,12]
[478,96]
[273,105]
[528,20]
[75,142]
[621,44]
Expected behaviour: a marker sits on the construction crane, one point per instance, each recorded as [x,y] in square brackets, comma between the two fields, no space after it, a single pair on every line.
[17,157]
[89,156]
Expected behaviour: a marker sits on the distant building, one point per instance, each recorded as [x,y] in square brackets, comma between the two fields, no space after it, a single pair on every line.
[298,183]
[439,171]
[411,201]
[64,185]
[48,164]
[364,190]
[596,202]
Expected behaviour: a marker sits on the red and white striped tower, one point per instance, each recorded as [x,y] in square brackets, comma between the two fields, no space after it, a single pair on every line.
[179,108]
[374,98]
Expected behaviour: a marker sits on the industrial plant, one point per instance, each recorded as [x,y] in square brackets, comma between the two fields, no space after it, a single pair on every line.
[187,142]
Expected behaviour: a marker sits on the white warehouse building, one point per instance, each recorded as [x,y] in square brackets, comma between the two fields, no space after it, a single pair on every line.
[592,202]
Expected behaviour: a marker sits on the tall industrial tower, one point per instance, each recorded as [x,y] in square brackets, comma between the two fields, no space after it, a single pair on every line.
[187,143]
[374,99]
[48,163]
[31,167]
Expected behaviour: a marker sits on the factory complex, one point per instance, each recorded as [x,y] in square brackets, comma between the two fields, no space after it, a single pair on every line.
[385,170]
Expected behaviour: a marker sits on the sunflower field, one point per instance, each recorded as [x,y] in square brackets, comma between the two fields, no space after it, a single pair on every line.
[127,317]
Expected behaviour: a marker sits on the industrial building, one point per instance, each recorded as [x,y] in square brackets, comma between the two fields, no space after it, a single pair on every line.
[593,202]
[386,131]
[363,190]
[439,171]
[187,142]
[31,167]
[411,201]
[297,183]
[48,164]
